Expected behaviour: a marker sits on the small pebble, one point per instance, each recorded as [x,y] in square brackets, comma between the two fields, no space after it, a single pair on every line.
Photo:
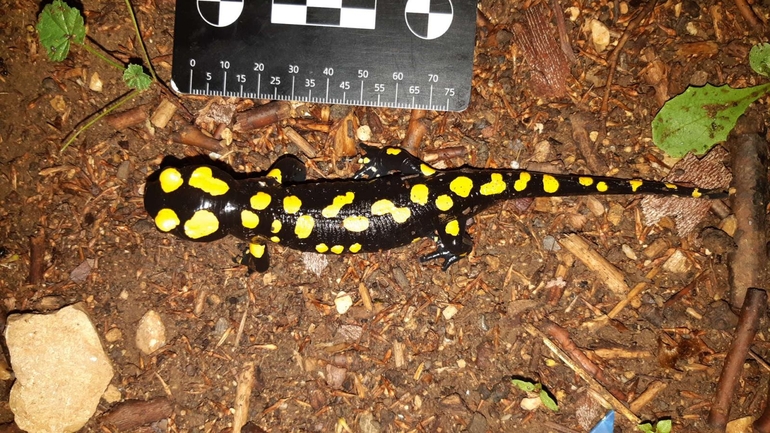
[343,302]
[124,169]
[150,333]
[95,83]
[113,335]
[550,244]
[449,312]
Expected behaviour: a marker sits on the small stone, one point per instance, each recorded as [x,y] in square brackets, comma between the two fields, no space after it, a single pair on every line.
[150,333]
[600,35]
[343,302]
[531,403]
[550,244]
[367,423]
[478,424]
[61,370]
[95,83]
[113,335]
[364,133]
[449,312]
[629,252]
[124,170]
[112,394]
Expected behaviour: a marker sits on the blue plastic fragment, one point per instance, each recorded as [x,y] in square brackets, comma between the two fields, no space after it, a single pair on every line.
[606,425]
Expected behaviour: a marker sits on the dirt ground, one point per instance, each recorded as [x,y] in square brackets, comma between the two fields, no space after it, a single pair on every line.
[436,350]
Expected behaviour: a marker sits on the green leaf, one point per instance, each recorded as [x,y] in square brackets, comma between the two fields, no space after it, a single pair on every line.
[523,385]
[701,117]
[548,402]
[57,26]
[759,59]
[663,426]
[646,428]
[135,77]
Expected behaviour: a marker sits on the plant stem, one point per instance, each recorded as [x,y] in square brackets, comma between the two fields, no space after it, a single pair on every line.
[95,52]
[123,99]
[141,41]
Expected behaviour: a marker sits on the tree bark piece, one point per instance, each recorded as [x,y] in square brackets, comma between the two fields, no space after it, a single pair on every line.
[135,413]
[753,309]
[748,264]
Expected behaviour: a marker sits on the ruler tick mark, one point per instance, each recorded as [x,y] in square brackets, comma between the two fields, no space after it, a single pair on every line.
[224,85]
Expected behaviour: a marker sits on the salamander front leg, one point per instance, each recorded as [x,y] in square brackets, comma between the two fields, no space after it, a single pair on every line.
[380,162]
[256,257]
[452,244]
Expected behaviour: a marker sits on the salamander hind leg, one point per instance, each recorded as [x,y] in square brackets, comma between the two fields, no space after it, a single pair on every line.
[256,258]
[380,162]
[452,243]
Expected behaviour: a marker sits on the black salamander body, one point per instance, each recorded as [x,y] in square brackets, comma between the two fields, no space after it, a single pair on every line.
[393,200]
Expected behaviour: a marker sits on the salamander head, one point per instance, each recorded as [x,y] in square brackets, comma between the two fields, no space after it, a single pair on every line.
[197,203]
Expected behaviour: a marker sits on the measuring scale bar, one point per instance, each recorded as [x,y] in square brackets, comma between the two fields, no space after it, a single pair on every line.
[414,54]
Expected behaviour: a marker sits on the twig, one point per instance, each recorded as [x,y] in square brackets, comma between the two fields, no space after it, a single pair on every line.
[37,257]
[749,261]
[242,396]
[615,55]
[272,112]
[192,136]
[762,424]
[105,111]
[753,309]
[140,39]
[649,394]
[607,272]
[126,119]
[134,413]
[566,46]
[748,14]
[593,383]
[418,127]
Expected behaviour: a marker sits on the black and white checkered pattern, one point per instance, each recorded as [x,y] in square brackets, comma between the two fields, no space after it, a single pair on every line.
[352,14]
[428,19]
[220,13]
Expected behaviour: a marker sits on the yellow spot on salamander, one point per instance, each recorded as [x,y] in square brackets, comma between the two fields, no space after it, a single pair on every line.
[461,186]
[355,248]
[670,185]
[275,174]
[203,178]
[170,180]
[495,185]
[333,209]
[249,219]
[275,227]
[427,170]
[291,204]
[355,223]
[275,239]
[585,180]
[304,226]
[601,186]
[452,228]
[338,249]
[522,181]
[635,184]
[444,202]
[419,194]
[321,248]
[383,207]
[260,200]
[166,220]
[202,223]
[550,184]
[257,250]
[393,151]
[696,193]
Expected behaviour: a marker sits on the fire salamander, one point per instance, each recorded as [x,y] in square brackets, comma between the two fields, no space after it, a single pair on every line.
[393,200]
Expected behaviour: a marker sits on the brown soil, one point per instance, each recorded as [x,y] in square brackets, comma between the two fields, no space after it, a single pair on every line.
[402,363]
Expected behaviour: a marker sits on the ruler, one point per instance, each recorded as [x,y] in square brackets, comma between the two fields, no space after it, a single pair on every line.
[414,54]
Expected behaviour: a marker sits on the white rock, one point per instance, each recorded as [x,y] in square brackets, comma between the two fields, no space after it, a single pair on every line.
[61,369]
[150,333]
[343,302]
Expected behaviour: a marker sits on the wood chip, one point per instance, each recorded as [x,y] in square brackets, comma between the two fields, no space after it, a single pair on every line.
[608,273]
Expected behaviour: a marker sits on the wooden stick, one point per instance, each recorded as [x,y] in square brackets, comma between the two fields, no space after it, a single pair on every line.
[37,257]
[272,112]
[649,394]
[243,396]
[127,119]
[134,413]
[608,273]
[748,322]
[193,136]
[592,383]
